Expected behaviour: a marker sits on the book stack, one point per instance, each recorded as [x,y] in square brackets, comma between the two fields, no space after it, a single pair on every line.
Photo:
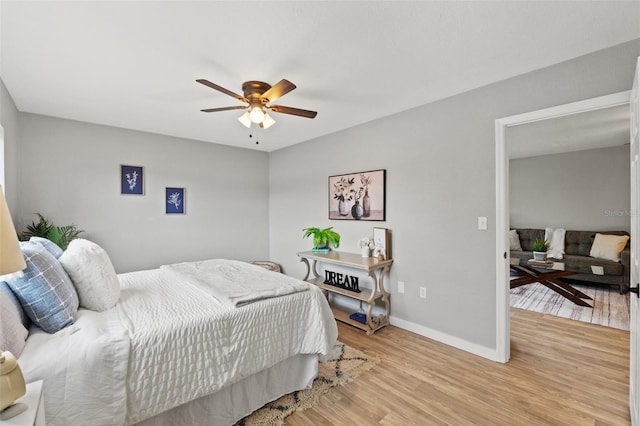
[359,316]
[540,263]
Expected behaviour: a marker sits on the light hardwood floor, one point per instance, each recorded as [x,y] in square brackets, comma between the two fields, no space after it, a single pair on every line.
[561,372]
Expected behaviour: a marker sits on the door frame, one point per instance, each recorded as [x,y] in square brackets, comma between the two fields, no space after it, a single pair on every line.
[503,329]
[634,331]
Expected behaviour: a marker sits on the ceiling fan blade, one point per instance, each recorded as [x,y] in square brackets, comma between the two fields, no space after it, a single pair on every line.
[224,108]
[280,89]
[293,111]
[222,89]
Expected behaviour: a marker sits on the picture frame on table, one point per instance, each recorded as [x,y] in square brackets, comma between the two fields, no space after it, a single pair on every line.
[382,242]
[131,180]
[174,200]
[358,196]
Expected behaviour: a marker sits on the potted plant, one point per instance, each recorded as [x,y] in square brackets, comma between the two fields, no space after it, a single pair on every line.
[60,235]
[322,238]
[540,248]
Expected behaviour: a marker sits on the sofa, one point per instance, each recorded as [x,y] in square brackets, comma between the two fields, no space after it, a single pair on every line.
[576,258]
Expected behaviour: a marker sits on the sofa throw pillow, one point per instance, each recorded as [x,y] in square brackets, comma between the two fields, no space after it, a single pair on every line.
[13,332]
[606,246]
[555,237]
[514,240]
[45,291]
[51,247]
[92,273]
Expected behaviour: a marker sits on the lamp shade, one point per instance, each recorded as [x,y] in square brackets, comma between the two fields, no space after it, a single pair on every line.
[11,259]
[256,114]
[267,122]
[245,120]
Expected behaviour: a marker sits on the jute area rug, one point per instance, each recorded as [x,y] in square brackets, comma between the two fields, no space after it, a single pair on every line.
[341,366]
[610,308]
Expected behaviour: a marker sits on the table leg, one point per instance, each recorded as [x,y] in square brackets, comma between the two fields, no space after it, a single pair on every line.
[570,289]
[565,293]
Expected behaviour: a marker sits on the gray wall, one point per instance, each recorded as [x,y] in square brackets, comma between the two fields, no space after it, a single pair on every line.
[9,120]
[70,172]
[440,177]
[584,190]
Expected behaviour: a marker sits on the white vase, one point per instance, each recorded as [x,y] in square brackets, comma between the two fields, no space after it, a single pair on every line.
[366,252]
[539,255]
[343,208]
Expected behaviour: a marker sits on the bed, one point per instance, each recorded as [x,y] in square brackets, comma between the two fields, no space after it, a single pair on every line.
[174,351]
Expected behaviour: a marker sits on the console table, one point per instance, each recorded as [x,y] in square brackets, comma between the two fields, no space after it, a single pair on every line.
[374,268]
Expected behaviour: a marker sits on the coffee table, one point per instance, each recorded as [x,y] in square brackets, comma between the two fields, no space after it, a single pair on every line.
[549,278]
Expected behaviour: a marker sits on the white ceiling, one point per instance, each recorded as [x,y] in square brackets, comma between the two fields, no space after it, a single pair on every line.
[134,64]
[600,128]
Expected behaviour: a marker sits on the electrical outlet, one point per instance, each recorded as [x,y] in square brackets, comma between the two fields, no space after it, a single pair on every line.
[482,223]
[423,292]
[400,286]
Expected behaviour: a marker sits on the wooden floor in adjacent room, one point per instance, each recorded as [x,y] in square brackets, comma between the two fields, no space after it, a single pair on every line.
[562,372]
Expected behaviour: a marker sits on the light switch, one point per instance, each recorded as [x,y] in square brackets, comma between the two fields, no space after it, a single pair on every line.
[482,223]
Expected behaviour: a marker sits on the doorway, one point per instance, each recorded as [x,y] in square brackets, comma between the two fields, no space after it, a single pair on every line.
[502,199]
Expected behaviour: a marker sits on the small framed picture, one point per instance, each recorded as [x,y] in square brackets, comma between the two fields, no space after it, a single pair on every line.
[131,180]
[174,200]
[382,242]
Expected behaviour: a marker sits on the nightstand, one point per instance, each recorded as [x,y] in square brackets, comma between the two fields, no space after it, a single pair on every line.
[34,414]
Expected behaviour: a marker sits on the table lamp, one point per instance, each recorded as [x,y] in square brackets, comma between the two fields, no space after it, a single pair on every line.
[12,264]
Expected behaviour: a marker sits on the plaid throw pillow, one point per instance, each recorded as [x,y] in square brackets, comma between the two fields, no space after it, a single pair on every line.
[45,291]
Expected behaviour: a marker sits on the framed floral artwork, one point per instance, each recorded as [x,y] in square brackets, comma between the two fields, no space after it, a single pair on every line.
[358,196]
[131,180]
[174,200]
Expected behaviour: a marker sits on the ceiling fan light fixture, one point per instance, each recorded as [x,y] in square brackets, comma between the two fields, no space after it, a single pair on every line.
[267,122]
[257,99]
[245,120]
[257,114]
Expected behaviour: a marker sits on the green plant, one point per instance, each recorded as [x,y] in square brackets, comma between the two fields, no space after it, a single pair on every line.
[60,235]
[323,237]
[541,245]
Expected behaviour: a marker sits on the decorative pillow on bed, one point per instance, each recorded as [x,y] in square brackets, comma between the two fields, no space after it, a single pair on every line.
[92,273]
[51,247]
[608,247]
[13,332]
[514,240]
[45,291]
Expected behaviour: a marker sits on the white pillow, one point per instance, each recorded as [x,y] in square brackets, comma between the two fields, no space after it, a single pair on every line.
[91,271]
[514,240]
[608,247]
[555,237]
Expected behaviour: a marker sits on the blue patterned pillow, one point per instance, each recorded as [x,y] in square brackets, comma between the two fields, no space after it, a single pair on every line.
[45,291]
[51,247]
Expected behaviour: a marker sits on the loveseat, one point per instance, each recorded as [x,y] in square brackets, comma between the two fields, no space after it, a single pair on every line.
[577,248]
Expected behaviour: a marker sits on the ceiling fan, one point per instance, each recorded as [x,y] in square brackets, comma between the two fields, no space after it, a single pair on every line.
[259,95]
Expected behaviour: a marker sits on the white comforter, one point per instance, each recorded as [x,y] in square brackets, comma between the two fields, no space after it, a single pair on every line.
[84,368]
[166,343]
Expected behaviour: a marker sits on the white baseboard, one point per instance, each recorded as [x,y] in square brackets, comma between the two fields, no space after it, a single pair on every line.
[474,348]
[483,351]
